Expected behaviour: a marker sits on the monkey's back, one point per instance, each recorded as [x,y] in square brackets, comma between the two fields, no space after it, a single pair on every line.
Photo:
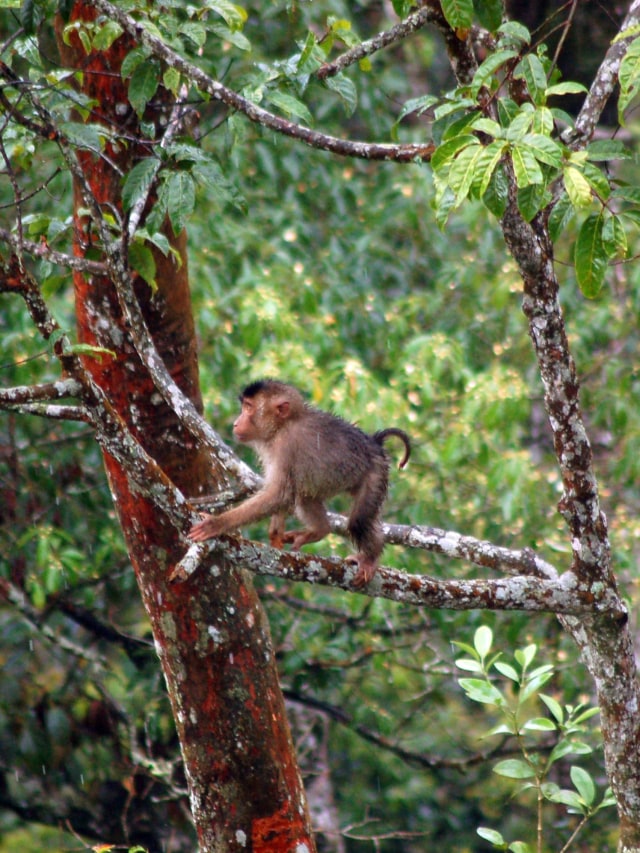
[330,455]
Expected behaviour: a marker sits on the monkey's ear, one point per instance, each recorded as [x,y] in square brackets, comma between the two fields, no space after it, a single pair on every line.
[282,408]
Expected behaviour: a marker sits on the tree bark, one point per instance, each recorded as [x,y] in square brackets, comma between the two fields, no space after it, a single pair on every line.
[211,633]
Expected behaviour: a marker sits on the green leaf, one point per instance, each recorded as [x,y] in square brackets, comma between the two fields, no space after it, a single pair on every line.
[590,256]
[531,70]
[142,261]
[525,166]
[584,784]
[469,665]
[138,181]
[542,121]
[496,196]
[614,238]
[514,33]
[489,67]
[132,60]
[290,106]
[567,798]
[143,85]
[28,16]
[482,691]
[507,670]
[345,89]
[561,214]
[577,187]
[532,199]
[447,151]
[488,162]
[539,724]
[608,149]
[543,149]
[490,13]
[492,836]
[525,656]
[520,847]
[514,768]
[629,78]
[233,15]
[234,37]
[86,136]
[180,199]
[106,35]
[554,707]
[463,171]
[568,747]
[482,640]
[417,105]
[459,13]
[569,87]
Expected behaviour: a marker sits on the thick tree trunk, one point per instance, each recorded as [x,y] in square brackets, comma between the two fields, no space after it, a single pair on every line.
[211,632]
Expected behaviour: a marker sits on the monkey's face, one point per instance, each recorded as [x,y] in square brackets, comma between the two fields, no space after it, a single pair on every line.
[245,427]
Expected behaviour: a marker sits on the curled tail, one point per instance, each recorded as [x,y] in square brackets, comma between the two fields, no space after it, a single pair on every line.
[379,438]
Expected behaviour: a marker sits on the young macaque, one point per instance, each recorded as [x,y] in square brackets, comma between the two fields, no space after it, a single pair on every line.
[309,456]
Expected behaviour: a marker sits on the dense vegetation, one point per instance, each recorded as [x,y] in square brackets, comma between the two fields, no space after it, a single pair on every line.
[332,273]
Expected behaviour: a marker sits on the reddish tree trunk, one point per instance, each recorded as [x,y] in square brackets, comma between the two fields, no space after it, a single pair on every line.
[211,632]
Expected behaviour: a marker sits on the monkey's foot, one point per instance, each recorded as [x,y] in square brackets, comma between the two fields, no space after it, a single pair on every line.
[366,569]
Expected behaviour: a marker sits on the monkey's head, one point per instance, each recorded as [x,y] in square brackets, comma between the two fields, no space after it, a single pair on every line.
[266,406]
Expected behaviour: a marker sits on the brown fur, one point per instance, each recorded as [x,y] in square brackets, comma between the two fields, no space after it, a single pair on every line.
[309,456]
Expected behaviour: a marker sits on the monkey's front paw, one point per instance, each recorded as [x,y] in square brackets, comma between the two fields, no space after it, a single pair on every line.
[205,529]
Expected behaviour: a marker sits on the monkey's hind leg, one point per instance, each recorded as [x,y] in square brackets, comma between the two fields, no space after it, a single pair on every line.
[364,525]
[313,514]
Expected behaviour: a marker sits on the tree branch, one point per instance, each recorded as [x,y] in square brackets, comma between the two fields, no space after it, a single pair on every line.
[42,250]
[604,82]
[560,595]
[411,23]
[345,147]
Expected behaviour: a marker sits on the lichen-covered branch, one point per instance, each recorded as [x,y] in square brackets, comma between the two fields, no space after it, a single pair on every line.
[558,595]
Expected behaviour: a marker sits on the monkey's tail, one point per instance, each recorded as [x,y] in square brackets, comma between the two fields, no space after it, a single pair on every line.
[379,438]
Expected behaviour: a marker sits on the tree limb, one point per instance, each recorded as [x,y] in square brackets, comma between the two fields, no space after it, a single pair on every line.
[345,147]
[413,22]
[560,595]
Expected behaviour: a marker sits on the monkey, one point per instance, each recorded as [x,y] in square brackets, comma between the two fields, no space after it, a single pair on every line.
[309,455]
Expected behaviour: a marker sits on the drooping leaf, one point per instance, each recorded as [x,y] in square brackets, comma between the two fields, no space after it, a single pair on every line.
[138,181]
[490,13]
[290,105]
[180,198]
[525,166]
[531,70]
[143,85]
[590,256]
[345,89]
[142,261]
